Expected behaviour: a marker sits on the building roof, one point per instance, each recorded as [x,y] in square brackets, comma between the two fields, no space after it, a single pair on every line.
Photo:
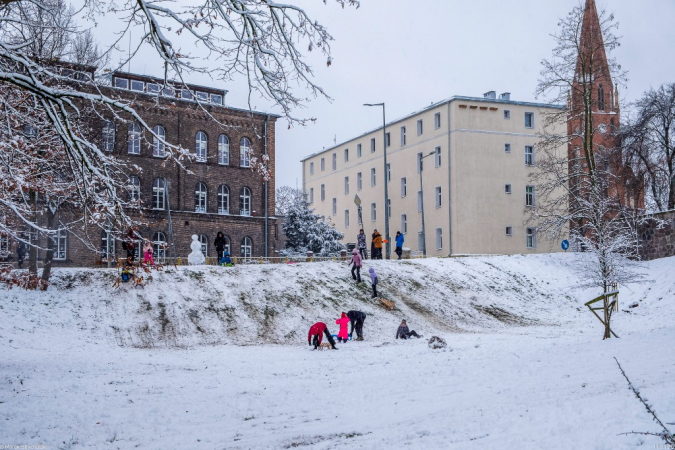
[435,105]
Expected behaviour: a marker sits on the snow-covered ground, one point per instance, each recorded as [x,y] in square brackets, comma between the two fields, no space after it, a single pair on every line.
[87,366]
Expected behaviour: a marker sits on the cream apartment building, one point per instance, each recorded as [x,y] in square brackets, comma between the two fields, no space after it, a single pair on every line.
[475,180]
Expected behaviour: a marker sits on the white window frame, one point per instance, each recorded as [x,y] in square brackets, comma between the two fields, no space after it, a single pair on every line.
[373,212]
[373,147]
[420,127]
[404,223]
[245,196]
[529,155]
[159,246]
[223,199]
[121,83]
[531,237]
[246,248]
[107,245]
[388,172]
[61,245]
[136,84]
[373,177]
[157,144]
[403,136]
[224,150]
[437,120]
[439,238]
[438,196]
[108,143]
[134,139]
[359,181]
[205,245]
[437,156]
[531,116]
[346,152]
[404,187]
[159,194]
[201,144]
[201,197]
[245,150]
[530,196]
[216,99]
[387,139]
[135,191]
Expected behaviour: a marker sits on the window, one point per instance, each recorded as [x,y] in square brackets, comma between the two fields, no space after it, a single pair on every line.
[323,192]
[121,83]
[108,136]
[372,177]
[507,114]
[134,189]
[216,99]
[334,206]
[223,199]
[245,152]
[137,86]
[168,92]
[200,198]
[373,212]
[529,195]
[246,247]
[507,188]
[529,155]
[202,96]
[334,161]
[346,218]
[389,208]
[346,154]
[387,139]
[346,185]
[323,164]
[402,136]
[4,246]
[372,145]
[311,195]
[419,162]
[134,139]
[61,241]
[388,172]
[438,196]
[437,120]
[205,244]
[186,94]
[223,150]
[507,148]
[420,127]
[601,98]
[420,241]
[158,141]
[311,168]
[107,246]
[509,231]
[159,247]
[158,193]
[419,201]
[358,151]
[439,238]
[404,187]
[245,202]
[529,120]
[153,88]
[227,240]
[404,223]
[531,237]
[359,181]
[437,157]
[200,146]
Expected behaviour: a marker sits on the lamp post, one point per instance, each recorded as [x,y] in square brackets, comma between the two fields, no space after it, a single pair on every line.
[386,181]
[424,234]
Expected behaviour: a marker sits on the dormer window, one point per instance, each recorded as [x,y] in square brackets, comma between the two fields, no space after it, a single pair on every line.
[121,83]
[202,96]
[216,99]
[186,94]
[153,88]
[137,86]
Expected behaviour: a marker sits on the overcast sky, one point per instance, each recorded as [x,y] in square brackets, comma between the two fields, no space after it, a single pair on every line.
[410,56]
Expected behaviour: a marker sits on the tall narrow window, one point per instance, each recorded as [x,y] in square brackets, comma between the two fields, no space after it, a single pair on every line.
[372,177]
[205,245]
[159,193]
[437,156]
[372,145]
[346,154]
[134,139]
[420,127]
[404,187]
[387,139]
[389,208]
[323,164]
[388,172]
[359,181]
[404,223]
[159,246]
[246,247]
[419,201]
[223,199]
[227,247]
[200,146]
[223,150]
[439,238]
[245,152]
[438,196]
[311,195]
[334,206]
[507,148]
[601,98]
[529,155]
[507,188]
[419,162]
[346,185]
[108,136]
[61,239]
[531,237]
[334,161]
[107,246]
[437,120]
[245,202]
[373,212]
[420,241]
[529,120]
[323,192]
[358,150]
[346,218]
[311,168]
[529,195]
[402,136]
[507,114]
[200,198]
[159,135]
[134,189]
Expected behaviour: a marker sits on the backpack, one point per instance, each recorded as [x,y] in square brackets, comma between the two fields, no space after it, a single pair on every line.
[126,276]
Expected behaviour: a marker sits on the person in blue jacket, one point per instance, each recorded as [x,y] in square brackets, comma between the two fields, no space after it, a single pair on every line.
[399,244]
[226,260]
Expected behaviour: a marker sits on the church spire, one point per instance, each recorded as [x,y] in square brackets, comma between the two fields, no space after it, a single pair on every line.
[592,56]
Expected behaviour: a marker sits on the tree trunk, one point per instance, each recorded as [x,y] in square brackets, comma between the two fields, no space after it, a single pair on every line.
[33,238]
[671,194]
[49,257]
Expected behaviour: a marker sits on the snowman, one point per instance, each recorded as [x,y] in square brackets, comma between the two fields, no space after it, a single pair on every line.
[196,258]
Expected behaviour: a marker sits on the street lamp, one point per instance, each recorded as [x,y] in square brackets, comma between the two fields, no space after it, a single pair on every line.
[424,235]
[386,181]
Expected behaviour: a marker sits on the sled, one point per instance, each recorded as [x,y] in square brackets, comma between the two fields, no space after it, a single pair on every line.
[389,305]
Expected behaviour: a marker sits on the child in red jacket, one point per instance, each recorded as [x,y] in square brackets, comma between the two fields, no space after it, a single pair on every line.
[317,330]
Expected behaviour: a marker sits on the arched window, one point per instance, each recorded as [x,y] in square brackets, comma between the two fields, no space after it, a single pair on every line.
[205,244]
[246,247]
[107,245]
[134,189]
[223,199]
[245,152]
[200,198]
[227,245]
[134,139]
[159,247]
[601,98]
[157,144]
[245,202]
[108,136]
[200,146]
[159,193]
[223,150]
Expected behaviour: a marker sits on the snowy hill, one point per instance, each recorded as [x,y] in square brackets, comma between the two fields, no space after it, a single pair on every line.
[90,366]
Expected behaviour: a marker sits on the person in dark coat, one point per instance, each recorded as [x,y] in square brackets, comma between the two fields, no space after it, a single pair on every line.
[356,260]
[404,333]
[399,244]
[356,318]
[361,243]
[220,243]
[21,253]
[130,242]
[316,333]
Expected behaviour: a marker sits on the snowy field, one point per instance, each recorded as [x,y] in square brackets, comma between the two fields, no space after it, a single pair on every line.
[217,358]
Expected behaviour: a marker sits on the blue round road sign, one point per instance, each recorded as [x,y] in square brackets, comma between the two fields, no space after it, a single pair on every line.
[565,244]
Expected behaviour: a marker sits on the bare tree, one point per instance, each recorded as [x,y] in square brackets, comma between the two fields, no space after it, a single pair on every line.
[649,145]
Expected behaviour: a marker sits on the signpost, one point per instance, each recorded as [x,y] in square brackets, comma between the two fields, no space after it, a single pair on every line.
[565,244]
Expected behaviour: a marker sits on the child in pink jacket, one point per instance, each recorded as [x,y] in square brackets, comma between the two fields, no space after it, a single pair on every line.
[343,335]
[147,253]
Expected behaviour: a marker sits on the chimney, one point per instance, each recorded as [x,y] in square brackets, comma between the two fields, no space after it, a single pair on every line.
[491,95]
[505,96]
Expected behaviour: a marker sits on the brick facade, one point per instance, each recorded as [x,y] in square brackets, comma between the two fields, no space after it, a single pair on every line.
[658,242]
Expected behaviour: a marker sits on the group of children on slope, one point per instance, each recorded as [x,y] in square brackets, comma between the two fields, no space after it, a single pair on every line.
[357,261]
